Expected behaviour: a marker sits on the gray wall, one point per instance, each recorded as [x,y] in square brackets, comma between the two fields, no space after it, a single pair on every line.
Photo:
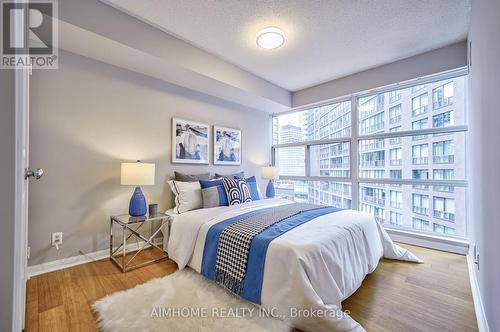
[440,60]
[86,118]
[484,124]
[118,26]
[7,196]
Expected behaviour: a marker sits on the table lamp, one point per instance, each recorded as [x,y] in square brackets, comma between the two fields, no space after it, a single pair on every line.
[137,174]
[270,173]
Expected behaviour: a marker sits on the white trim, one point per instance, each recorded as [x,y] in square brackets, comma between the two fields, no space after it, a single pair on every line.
[406,133]
[314,178]
[441,76]
[76,260]
[21,194]
[453,245]
[445,75]
[482,322]
[313,142]
[394,134]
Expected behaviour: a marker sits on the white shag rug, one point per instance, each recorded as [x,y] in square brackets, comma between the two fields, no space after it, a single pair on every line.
[182,301]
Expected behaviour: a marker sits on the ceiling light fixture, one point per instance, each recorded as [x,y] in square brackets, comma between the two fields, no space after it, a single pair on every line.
[270,38]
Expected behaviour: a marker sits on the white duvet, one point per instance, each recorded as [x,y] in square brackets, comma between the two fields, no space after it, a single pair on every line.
[312,267]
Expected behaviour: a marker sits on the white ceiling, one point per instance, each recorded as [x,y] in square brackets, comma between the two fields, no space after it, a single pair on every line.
[325,39]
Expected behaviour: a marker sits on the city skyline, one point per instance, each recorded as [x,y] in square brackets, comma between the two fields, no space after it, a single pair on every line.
[441,156]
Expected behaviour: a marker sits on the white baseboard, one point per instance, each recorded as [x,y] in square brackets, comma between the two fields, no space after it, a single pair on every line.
[452,245]
[75,260]
[482,322]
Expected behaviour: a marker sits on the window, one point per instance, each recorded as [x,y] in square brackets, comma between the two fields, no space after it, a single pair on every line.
[419,105]
[420,154]
[372,174]
[314,147]
[420,174]
[330,160]
[443,152]
[421,204]
[437,228]
[396,140]
[332,193]
[396,199]
[420,124]
[377,211]
[394,96]
[395,155]
[373,195]
[444,174]
[396,174]
[372,124]
[444,208]
[371,144]
[421,225]
[395,219]
[373,159]
[370,105]
[395,114]
[324,122]
[443,120]
[443,96]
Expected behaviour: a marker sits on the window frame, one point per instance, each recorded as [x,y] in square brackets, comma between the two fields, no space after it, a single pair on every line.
[356,137]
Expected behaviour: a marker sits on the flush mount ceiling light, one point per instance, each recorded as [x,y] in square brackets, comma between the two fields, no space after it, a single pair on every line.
[270,38]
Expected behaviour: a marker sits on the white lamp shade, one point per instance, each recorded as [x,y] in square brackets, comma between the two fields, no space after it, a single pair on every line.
[138,174]
[270,172]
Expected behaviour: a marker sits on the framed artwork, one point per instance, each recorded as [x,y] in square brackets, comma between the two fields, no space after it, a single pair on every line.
[190,142]
[227,146]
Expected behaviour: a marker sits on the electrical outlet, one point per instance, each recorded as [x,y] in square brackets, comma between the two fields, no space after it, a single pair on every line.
[57,239]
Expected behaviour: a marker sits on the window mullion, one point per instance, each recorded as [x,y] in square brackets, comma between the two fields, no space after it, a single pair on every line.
[308,160]
[354,153]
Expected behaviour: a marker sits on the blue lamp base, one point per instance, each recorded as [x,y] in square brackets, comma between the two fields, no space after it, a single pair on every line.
[270,190]
[137,207]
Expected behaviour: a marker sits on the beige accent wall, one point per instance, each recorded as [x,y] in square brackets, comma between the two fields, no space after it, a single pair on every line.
[86,118]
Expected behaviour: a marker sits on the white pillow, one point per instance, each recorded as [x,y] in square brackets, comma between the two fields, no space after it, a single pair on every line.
[187,195]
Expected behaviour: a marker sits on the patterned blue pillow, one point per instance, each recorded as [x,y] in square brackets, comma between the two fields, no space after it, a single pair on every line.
[213,193]
[237,191]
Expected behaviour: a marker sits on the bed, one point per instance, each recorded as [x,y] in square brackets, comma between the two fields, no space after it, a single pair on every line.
[309,270]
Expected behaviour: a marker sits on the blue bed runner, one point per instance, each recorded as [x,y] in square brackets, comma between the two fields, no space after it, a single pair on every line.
[252,283]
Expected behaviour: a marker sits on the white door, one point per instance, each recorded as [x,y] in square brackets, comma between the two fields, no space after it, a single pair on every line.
[23,175]
[21,214]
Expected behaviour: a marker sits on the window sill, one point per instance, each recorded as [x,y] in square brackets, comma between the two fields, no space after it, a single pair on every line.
[454,245]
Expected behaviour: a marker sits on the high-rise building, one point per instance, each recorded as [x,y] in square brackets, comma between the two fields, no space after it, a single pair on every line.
[438,156]
[435,156]
[291,162]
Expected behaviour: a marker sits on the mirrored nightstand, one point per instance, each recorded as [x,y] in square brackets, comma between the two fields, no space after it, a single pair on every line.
[129,256]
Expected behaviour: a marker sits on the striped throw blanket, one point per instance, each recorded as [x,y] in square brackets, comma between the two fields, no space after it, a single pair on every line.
[235,240]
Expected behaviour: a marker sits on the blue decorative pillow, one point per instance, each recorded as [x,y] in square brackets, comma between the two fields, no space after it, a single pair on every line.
[254,191]
[213,193]
[237,191]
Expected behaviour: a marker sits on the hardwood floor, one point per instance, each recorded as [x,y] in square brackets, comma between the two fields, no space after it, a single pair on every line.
[398,296]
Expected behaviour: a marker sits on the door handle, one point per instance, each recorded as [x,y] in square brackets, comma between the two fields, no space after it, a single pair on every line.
[36,174]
